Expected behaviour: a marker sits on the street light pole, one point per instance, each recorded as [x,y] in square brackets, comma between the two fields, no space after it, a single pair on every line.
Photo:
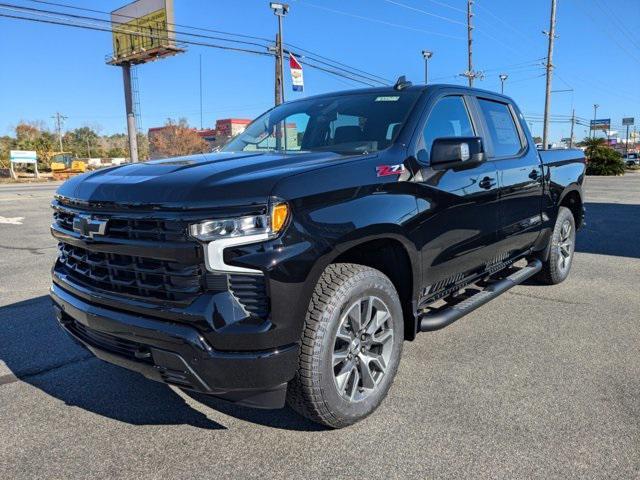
[595,113]
[426,54]
[503,77]
[280,10]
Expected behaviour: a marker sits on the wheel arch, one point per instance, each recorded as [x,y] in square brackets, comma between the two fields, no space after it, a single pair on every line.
[390,255]
[572,199]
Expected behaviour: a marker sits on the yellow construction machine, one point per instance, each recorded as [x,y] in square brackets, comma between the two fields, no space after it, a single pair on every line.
[64,166]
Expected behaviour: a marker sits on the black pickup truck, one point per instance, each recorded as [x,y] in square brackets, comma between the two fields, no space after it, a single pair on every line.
[292,265]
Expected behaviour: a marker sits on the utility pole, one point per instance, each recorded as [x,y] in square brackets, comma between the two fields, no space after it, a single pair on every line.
[547,98]
[595,113]
[280,10]
[470,74]
[200,91]
[469,43]
[573,122]
[59,118]
[131,119]
[503,77]
[426,54]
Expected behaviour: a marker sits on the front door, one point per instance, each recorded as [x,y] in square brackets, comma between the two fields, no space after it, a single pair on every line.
[458,206]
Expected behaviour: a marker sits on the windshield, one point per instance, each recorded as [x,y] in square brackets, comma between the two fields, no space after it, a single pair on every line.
[346,124]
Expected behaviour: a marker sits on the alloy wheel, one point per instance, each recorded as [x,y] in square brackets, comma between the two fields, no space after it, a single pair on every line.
[565,246]
[362,349]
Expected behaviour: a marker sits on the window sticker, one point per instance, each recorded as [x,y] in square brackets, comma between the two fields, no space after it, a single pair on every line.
[393,98]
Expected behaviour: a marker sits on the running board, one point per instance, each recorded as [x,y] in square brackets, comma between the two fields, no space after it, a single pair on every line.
[446,316]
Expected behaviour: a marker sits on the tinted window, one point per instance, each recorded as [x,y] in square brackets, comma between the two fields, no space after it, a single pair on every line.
[449,118]
[502,128]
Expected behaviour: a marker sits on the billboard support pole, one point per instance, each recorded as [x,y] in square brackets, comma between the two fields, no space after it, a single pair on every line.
[131,118]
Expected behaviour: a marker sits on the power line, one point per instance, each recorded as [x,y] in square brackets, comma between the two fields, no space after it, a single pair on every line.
[383,22]
[148,35]
[312,54]
[351,70]
[87,26]
[446,5]
[622,26]
[424,12]
[66,5]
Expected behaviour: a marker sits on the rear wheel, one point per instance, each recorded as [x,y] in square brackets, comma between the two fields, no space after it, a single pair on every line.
[563,240]
[351,346]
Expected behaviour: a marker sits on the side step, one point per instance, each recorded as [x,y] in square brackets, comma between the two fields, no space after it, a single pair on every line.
[446,316]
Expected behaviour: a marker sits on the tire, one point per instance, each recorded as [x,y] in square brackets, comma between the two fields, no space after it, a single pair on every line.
[555,269]
[339,394]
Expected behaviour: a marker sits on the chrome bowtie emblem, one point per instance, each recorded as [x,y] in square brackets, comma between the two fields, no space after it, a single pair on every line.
[88,226]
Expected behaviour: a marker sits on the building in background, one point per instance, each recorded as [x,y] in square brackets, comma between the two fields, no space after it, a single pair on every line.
[230,127]
[226,129]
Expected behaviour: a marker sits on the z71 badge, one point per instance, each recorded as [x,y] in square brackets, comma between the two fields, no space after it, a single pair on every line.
[386,170]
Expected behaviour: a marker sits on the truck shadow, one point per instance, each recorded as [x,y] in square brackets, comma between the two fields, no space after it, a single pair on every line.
[39,353]
[611,229]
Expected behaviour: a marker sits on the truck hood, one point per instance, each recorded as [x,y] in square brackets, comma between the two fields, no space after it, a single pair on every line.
[197,181]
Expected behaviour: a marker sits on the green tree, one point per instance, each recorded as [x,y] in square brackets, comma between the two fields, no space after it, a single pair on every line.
[602,159]
[33,136]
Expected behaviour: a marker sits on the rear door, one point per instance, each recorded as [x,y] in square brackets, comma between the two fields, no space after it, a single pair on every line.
[458,206]
[519,176]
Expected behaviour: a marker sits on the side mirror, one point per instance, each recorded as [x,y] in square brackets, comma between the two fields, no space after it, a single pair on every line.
[457,151]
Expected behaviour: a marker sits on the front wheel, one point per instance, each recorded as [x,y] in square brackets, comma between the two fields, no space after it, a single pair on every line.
[351,346]
[563,240]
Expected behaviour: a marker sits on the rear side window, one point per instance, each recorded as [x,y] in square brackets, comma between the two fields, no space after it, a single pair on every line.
[503,131]
[449,118]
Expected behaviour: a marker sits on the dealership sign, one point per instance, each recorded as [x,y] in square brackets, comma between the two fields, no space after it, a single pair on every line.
[601,124]
[297,80]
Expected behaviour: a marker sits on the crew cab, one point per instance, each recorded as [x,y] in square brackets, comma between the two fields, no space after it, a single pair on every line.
[292,265]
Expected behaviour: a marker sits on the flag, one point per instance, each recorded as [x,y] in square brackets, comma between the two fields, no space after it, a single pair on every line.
[296,74]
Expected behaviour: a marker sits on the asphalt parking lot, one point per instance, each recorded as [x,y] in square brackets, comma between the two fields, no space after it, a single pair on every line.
[542,382]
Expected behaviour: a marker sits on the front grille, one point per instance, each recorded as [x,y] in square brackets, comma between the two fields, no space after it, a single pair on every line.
[152,229]
[105,341]
[250,291]
[139,276]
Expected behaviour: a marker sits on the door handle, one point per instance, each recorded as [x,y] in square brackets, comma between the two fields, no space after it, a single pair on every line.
[533,175]
[487,183]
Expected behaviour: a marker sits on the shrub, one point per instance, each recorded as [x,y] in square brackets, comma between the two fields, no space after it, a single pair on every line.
[601,159]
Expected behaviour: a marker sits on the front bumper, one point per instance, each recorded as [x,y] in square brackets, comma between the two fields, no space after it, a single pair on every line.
[176,354]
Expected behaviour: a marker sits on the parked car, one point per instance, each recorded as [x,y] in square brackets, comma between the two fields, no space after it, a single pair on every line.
[631,159]
[293,264]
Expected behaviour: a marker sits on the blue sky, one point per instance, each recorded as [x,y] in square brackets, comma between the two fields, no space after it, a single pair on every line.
[47,68]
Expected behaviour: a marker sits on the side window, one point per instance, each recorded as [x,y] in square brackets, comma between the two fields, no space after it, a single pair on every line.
[503,131]
[449,118]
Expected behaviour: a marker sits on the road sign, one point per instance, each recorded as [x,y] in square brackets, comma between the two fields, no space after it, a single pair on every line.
[22,156]
[628,121]
[600,124]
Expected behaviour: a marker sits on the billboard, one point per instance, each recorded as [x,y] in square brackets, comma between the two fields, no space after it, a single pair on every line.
[628,121]
[601,124]
[143,31]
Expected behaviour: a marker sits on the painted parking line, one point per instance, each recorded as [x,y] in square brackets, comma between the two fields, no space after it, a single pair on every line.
[11,220]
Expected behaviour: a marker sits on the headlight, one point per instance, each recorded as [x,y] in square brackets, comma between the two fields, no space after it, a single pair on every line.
[268,225]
